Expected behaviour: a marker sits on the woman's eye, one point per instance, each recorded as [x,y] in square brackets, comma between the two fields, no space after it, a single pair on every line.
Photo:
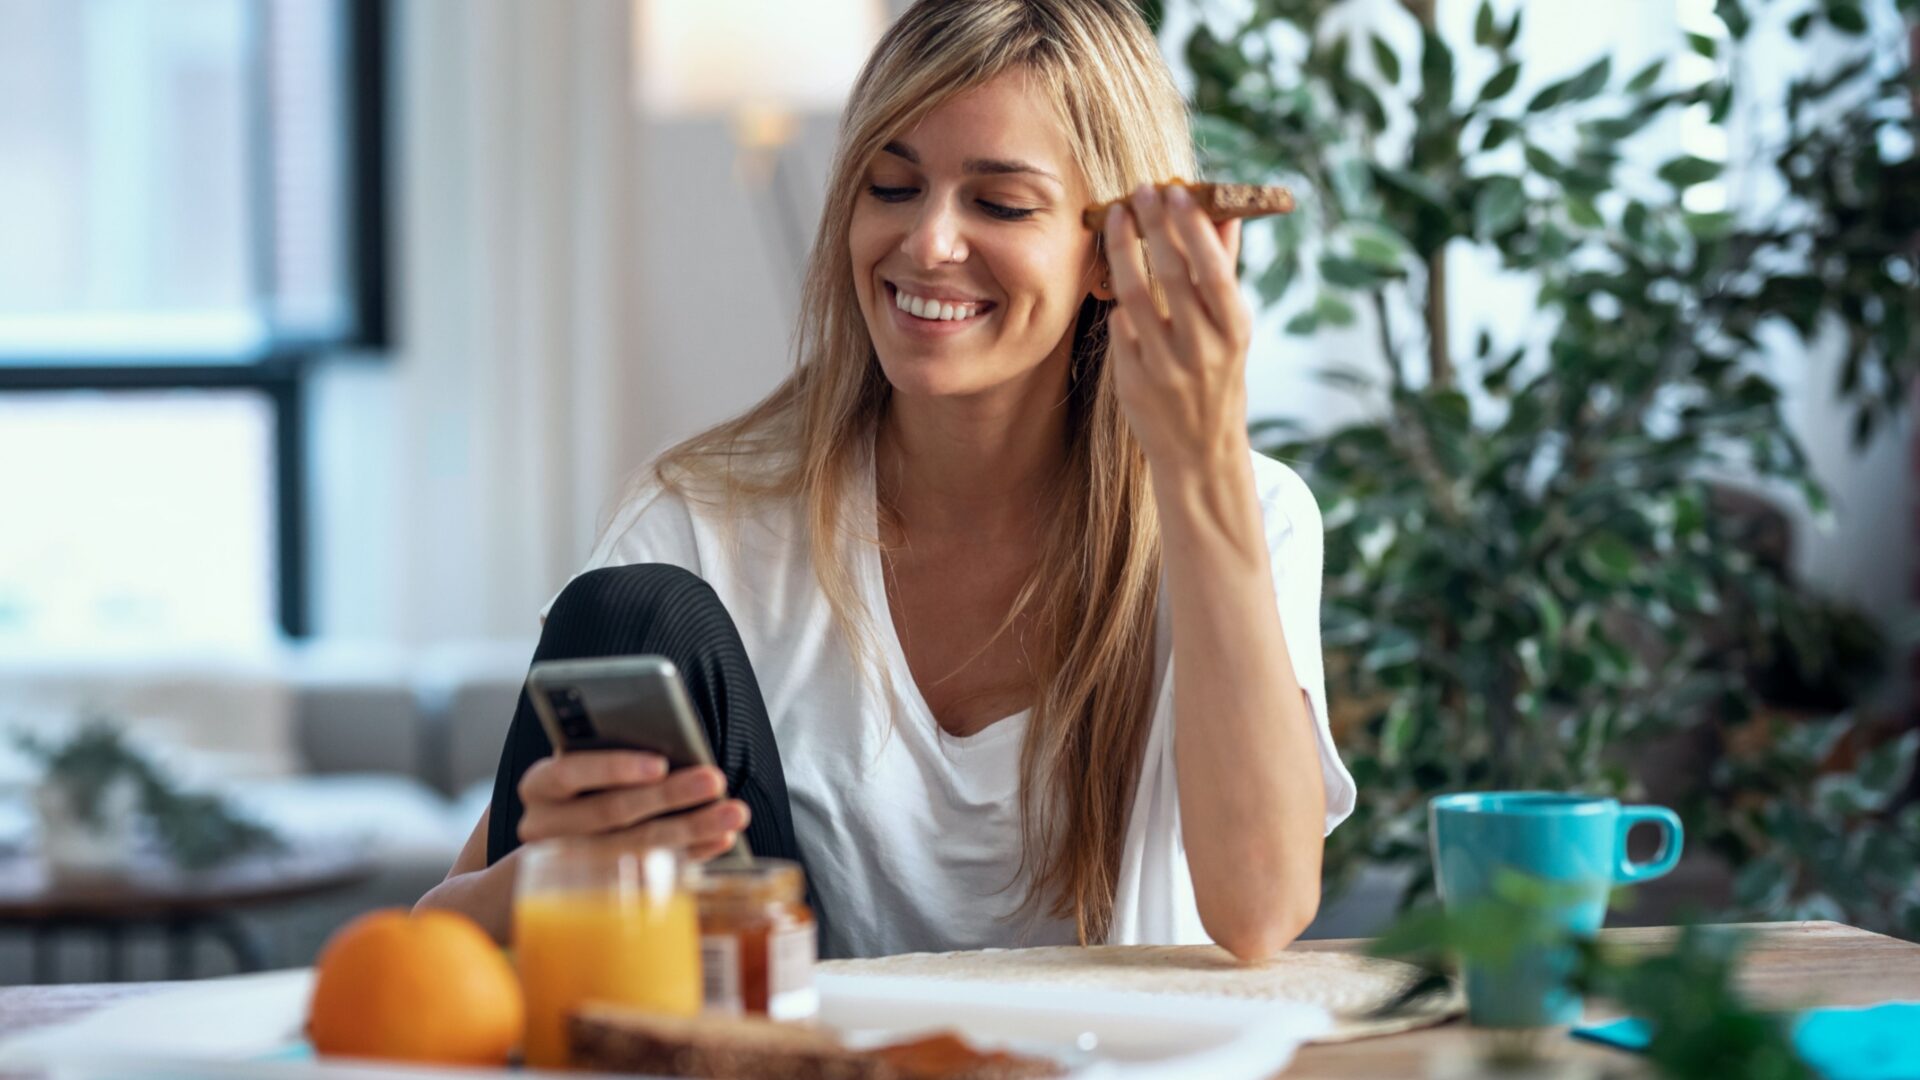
[902,194]
[1005,213]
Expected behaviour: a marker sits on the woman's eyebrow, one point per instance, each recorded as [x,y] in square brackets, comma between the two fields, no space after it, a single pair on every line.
[978,166]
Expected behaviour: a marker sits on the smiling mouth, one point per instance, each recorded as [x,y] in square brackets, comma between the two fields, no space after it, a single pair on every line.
[934,311]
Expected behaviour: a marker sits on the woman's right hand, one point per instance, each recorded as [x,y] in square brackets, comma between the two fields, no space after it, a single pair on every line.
[628,793]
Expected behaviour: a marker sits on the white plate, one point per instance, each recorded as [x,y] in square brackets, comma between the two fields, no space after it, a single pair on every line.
[248,1028]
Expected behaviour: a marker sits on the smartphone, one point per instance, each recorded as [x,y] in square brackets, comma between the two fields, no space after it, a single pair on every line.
[621,703]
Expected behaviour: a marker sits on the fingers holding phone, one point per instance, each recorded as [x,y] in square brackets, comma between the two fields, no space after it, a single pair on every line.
[630,792]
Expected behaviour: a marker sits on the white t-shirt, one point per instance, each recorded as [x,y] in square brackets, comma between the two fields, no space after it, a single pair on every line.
[911,835]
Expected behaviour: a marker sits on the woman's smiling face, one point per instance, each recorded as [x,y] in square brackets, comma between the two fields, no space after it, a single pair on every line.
[973,218]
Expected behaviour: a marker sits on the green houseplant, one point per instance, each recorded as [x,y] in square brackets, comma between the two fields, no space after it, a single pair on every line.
[99,791]
[1531,566]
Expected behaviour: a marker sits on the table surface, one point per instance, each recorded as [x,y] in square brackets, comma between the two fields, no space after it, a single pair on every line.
[155,890]
[1788,965]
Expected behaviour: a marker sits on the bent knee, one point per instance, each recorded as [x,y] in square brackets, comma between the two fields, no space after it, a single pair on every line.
[635,590]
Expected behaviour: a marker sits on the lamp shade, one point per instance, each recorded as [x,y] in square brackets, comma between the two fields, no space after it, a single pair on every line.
[723,57]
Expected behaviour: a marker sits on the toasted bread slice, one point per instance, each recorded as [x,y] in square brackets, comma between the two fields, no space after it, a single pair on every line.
[1220,201]
[614,1039]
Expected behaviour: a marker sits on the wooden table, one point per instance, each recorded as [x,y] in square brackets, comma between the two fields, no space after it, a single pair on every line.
[1788,964]
[158,896]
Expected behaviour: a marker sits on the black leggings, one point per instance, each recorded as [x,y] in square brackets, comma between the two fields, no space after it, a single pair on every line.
[653,608]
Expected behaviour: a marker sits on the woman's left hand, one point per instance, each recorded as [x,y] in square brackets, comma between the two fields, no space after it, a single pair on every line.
[1181,376]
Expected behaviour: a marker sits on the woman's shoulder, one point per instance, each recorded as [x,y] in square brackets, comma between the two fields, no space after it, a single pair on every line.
[1286,501]
[650,522]
[665,512]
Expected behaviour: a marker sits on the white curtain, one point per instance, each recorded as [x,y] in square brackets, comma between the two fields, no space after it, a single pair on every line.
[514,416]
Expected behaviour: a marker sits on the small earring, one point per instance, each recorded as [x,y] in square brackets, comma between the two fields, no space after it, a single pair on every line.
[1105,284]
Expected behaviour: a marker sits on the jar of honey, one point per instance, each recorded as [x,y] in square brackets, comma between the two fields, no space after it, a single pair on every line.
[757,939]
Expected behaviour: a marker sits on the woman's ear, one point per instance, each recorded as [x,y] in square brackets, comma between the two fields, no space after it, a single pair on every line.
[1102,276]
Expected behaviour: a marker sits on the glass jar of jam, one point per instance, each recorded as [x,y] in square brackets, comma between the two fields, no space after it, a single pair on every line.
[757,939]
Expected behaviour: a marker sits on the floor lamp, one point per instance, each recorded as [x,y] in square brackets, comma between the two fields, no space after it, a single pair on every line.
[762,64]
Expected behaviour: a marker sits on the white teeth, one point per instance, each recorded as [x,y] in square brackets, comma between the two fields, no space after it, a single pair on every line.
[933,310]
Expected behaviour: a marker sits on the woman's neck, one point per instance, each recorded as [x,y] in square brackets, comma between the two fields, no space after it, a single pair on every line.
[982,466]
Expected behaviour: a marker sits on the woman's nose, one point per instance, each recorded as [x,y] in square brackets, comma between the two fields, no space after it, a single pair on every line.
[936,235]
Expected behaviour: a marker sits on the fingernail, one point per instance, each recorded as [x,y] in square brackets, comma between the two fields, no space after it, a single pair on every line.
[1177,196]
[1145,195]
[649,767]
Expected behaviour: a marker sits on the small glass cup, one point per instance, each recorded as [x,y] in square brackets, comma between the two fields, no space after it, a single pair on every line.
[596,920]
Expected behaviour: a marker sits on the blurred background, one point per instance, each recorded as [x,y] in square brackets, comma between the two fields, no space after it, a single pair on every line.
[331,329]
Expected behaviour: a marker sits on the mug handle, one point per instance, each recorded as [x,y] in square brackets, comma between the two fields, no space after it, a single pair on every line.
[1628,872]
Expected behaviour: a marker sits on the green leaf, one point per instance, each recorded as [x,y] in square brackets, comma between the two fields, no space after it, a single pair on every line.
[1590,81]
[1380,248]
[1392,648]
[1501,84]
[1643,82]
[1499,205]
[1704,45]
[1386,60]
[1582,212]
[1610,559]
[1418,186]
[1549,96]
[1544,163]
[1499,130]
[1333,311]
[1710,226]
[1396,734]
[1734,14]
[1633,221]
[1273,282]
[1349,273]
[1885,770]
[1303,324]
[1513,29]
[1687,170]
[1484,32]
[1436,74]
[1847,18]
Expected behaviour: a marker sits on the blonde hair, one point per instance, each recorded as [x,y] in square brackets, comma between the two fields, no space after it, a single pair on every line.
[1095,588]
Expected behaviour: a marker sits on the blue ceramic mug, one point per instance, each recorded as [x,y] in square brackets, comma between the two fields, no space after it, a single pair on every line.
[1575,843]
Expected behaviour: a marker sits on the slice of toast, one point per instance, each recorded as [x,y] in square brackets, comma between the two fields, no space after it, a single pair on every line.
[1220,201]
[614,1039]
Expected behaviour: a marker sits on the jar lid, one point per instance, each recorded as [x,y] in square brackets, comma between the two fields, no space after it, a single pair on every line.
[761,881]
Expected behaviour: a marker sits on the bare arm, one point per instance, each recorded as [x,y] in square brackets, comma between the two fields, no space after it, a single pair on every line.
[1252,801]
[473,888]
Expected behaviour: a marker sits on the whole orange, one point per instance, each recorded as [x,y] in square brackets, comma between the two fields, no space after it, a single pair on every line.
[431,987]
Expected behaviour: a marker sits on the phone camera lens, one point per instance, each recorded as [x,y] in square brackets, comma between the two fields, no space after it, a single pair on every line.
[570,710]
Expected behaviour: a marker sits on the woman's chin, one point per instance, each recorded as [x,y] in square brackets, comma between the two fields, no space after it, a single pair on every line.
[933,377]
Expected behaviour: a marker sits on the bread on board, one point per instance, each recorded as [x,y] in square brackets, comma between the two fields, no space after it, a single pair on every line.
[1220,201]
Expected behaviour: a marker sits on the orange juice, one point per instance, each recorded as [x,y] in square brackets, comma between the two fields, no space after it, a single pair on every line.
[573,946]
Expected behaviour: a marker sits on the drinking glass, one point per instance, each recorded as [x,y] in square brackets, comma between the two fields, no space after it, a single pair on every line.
[596,920]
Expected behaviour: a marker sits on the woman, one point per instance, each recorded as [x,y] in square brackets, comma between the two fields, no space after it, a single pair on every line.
[1007,492]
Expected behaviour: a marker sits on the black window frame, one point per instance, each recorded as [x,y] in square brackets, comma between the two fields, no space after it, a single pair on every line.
[280,370]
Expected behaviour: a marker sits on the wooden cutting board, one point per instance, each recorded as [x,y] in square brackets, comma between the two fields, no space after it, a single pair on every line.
[1348,986]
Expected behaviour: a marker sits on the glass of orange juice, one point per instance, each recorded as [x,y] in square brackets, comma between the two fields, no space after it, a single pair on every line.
[595,920]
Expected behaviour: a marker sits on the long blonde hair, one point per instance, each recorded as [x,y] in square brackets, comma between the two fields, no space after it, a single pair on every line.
[1095,588]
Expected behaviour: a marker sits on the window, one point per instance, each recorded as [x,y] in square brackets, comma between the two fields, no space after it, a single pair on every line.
[191,212]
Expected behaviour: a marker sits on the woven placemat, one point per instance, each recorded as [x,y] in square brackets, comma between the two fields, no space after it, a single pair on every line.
[1348,986]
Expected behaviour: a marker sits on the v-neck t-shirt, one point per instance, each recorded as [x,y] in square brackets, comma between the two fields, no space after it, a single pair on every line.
[911,835]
